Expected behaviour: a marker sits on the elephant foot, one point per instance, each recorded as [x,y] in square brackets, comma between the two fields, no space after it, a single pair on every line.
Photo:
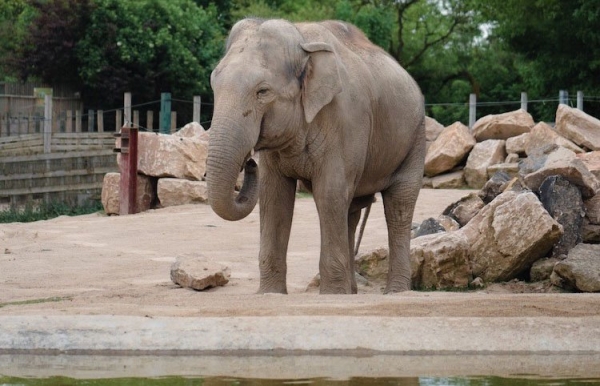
[392,288]
[336,290]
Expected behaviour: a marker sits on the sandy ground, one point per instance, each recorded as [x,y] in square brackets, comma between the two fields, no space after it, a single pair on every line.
[99,265]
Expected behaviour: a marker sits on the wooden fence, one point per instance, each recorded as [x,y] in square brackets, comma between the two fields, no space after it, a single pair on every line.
[73,170]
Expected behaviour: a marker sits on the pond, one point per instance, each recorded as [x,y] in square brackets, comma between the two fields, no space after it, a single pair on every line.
[290,369]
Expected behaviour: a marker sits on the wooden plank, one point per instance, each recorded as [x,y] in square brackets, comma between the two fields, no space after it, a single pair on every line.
[51,156]
[51,189]
[59,173]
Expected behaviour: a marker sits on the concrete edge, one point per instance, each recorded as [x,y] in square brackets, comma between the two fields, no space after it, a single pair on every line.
[368,335]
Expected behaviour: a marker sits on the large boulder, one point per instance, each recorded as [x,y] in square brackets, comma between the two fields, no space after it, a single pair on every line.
[174,191]
[503,126]
[542,135]
[563,202]
[518,144]
[464,209]
[449,149]
[591,160]
[563,162]
[432,129]
[579,127]
[592,209]
[440,261]
[176,156]
[452,180]
[580,270]
[483,155]
[110,197]
[508,235]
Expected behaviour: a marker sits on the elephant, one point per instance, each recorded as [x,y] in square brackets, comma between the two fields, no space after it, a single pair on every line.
[323,105]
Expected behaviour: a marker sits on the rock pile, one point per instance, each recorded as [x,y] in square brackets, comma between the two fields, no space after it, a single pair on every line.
[538,220]
[171,170]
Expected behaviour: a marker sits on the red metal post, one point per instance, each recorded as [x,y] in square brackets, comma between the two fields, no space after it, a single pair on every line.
[128,166]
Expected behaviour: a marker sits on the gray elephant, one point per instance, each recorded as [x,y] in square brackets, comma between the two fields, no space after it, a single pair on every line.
[325,106]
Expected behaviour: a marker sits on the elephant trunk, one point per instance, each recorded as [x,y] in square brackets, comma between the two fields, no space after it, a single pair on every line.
[228,153]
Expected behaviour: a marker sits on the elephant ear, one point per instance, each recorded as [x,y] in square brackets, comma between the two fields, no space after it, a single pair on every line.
[322,80]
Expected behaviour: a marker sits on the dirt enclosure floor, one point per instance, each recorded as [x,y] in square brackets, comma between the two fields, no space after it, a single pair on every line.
[99,265]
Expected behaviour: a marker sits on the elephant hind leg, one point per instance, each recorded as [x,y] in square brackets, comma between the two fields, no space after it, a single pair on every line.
[399,202]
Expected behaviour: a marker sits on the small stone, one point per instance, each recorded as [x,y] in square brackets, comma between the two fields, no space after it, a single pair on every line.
[428,227]
[581,270]
[477,283]
[197,273]
[542,269]
[483,155]
[465,209]
[494,186]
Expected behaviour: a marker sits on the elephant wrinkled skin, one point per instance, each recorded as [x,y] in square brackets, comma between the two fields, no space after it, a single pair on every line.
[325,106]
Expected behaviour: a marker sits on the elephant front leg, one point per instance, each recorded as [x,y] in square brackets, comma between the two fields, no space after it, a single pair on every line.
[335,266]
[277,195]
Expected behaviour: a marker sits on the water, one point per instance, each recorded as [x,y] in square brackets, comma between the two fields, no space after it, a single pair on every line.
[317,370]
[226,381]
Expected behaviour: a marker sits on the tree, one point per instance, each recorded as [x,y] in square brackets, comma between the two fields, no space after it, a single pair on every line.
[557,43]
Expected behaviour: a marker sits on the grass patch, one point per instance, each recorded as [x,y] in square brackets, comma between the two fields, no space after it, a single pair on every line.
[44,211]
[36,301]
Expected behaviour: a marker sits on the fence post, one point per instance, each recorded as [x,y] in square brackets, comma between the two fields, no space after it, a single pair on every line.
[150,120]
[69,127]
[563,97]
[472,110]
[118,118]
[165,113]
[524,101]
[126,108]
[580,100]
[78,121]
[91,121]
[47,123]
[197,107]
[128,165]
[100,121]
[136,118]
[173,121]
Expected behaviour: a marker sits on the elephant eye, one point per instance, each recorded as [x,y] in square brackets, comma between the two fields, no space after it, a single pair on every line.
[262,92]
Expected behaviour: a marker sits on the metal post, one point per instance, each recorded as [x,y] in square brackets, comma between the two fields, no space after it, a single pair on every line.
[580,100]
[165,113]
[563,97]
[472,110]
[128,166]
[47,123]
[127,109]
[524,101]
[197,107]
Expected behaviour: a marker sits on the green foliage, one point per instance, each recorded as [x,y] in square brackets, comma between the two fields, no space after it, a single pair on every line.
[150,47]
[15,17]
[46,211]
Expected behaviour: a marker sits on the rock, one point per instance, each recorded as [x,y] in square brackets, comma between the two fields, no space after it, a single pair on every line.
[542,135]
[591,160]
[494,186]
[373,265]
[440,261]
[580,270]
[590,233]
[508,235]
[193,130]
[449,149]
[512,169]
[563,202]
[517,145]
[172,156]
[174,191]
[432,129]
[448,223]
[503,126]
[563,162]
[511,158]
[579,127]
[197,273]
[453,180]
[483,155]
[427,183]
[477,283]
[428,227]
[536,160]
[464,209]
[542,269]
[592,209]
[145,194]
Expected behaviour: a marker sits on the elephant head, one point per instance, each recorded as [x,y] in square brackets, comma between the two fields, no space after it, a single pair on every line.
[270,84]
